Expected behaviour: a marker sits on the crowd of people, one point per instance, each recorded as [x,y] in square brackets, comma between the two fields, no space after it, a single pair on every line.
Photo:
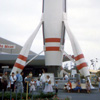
[16,82]
[12,81]
[78,87]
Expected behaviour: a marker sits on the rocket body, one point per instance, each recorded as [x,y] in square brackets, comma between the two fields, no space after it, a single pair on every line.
[53,31]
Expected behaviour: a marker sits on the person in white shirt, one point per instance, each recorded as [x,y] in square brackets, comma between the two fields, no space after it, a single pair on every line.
[42,79]
[66,77]
[32,85]
[12,81]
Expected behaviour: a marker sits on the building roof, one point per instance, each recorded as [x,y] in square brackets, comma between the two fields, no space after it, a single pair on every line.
[14,51]
[10,59]
[8,56]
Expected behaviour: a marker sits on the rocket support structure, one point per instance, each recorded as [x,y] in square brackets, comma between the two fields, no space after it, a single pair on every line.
[54,23]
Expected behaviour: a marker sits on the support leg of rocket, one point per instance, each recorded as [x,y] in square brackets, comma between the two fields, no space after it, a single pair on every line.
[22,58]
[78,55]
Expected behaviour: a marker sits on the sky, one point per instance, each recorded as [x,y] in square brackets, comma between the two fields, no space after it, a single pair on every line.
[19,18]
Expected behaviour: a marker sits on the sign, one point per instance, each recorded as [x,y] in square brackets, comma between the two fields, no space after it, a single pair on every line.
[5,66]
[7,46]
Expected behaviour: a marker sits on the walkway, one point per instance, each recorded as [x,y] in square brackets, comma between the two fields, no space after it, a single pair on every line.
[79,96]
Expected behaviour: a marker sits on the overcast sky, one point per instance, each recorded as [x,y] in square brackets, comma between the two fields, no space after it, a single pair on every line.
[19,18]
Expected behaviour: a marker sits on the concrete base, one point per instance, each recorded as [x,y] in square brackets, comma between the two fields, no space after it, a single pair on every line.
[53,69]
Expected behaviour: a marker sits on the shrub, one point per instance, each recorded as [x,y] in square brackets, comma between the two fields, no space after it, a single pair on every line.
[41,96]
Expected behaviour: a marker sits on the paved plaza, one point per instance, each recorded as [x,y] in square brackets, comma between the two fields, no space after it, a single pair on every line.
[80,96]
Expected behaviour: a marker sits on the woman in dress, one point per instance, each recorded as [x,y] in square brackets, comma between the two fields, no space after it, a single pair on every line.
[48,85]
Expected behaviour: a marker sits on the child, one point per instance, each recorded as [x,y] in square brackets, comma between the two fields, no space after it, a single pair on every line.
[69,86]
[38,84]
[32,85]
[56,87]
[88,86]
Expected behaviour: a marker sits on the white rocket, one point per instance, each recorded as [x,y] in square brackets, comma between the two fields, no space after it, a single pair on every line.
[54,23]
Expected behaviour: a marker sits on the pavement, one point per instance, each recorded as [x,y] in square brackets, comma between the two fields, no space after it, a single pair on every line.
[79,96]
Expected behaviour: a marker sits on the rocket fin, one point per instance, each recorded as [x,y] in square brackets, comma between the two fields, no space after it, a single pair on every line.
[21,60]
[78,55]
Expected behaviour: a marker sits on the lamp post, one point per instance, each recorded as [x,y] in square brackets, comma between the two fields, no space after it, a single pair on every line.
[94,62]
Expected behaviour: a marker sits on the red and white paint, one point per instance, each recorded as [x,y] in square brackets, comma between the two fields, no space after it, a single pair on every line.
[78,55]
[52,30]
[22,58]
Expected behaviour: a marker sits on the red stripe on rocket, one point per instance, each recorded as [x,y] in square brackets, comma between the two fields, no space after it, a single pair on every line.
[52,40]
